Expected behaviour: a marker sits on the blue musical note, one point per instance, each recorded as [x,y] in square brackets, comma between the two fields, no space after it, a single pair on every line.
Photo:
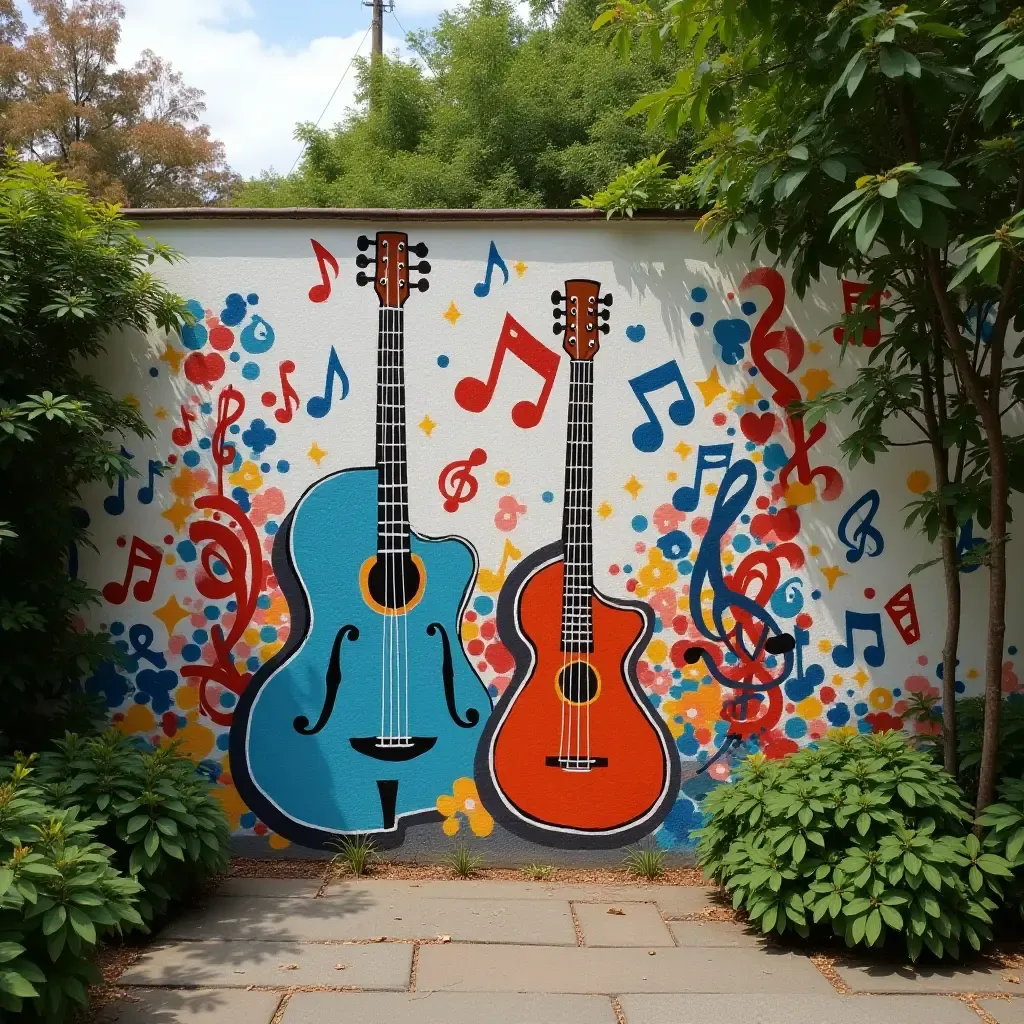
[649,436]
[874,654]
[804,681]
[966,541]
[113,504]
[710,456]
[864,532]
[319,406]
[788,599]
[141,637]
[156,468]
[493,260]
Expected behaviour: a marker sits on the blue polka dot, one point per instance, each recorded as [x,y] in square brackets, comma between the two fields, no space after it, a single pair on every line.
[263,601]
[769,476]
[252,663]
[247,820]
[200,636]
[190,458]
[264,467]
[750,446]
[191,652]
[548,497]
[443,361]
[227,700]
[234,428]
[685,568]
[699,294]
[204,443]
[896,692]
[211,611]
[752,371]
[206,408]
[251,371]
[283,465]
[154,372]
[268,634]
[483,605]
[749,308]
[252,298]
[117,628]
[234,357]
[1012,650]
[861,708]
[741,543]
[232,606]
[697,319]
[627,568]
[731,431]
[639,523]
[763,405]
[795,728]
[816,595]
[271,528]
[224,741]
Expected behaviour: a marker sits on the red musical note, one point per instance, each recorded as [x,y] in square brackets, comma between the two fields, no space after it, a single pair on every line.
[141,555]
[852,291]
[230,407]
[182,435]
[475,395]
[788,342]
[288,394]
[457,483]
[321,292]
[902,609]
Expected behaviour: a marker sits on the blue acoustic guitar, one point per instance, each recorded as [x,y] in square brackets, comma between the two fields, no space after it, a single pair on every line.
[371,710]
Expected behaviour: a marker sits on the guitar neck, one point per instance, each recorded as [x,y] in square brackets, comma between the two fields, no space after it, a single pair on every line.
[392,471]
[577,517]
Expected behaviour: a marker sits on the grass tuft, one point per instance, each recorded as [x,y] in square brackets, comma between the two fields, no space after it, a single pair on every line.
[356,855]
[464,862]
[647,862]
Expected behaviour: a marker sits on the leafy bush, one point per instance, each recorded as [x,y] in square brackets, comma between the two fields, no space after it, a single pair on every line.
[1006,821]
[157,812]
[60,894]
[864,837]
[72,276]
[970,722]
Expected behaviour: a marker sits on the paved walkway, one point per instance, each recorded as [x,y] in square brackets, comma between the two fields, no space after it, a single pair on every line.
[466,952]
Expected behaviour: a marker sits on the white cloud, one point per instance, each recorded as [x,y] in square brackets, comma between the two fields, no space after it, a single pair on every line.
[255,91]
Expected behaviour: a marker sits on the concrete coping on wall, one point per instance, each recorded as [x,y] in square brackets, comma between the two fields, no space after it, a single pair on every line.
[355,214]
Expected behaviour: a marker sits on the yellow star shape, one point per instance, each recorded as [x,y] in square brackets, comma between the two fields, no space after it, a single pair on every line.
[746,397]
[160,412]
[171,614]
[316,453]
[683,450]
[832,574]
[814,347]
[427,425]
[816,381]
[711,388]
[519,267]
[860,676]
[131,400]
[172,357]
[633,486]
[604,510]
[177,515]
[452,314]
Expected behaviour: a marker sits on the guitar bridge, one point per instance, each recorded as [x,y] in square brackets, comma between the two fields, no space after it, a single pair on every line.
[392,748]
[576,764]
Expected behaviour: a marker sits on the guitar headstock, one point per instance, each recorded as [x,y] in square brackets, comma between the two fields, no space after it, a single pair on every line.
[583,325]
[391,261]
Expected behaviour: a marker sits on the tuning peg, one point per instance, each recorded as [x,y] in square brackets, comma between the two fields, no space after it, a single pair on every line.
[419,249]
[558,312]
[362,279]
[363,261]
[423,284]
[421,268]
[557,297]
[603,314]
[607,300]
[558,328]
[604,328]
[363,243]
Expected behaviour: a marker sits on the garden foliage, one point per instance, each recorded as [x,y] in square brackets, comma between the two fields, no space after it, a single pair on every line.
[1005,820]
[863,837]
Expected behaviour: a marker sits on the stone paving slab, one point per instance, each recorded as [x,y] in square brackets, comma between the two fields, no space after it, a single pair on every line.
[794,1009]
[882,978]
[674,900]
[1006,1011]
[622,924]
[715,934]
[383,966]
[446,1008]
[267,888]
[610,971]
[358,915]
[220,1006]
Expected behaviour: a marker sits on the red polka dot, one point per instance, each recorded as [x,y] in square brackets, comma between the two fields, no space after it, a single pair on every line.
[168,539]
[487,630]
[719,419]
[221,338]
[826,695]
[216,517]
[499,658]
[471,616]
[922,659]
[763,502]
[121,542]
[172,459]
[731,296]
[260,829]
[481,666]
[804,621]
[269,399]
[613,570]
[631,585]
[869,592]
[475,647]
[169,723]
[790,708]
[699,526]
[679,623]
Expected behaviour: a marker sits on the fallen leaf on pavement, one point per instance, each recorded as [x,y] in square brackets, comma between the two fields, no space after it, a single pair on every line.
[615,910]
[288,967]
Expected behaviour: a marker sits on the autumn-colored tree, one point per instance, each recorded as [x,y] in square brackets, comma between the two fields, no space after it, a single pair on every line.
[132,135]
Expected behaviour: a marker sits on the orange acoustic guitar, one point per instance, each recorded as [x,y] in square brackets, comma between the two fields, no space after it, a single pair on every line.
[574,754]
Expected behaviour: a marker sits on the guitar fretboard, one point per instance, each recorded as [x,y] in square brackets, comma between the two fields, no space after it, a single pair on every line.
[392,471]
[577,517]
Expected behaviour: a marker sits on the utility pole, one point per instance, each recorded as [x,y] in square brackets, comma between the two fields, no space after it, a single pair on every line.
[377,24]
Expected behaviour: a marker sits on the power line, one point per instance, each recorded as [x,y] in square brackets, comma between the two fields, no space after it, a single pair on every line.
[333,94]
[407,35]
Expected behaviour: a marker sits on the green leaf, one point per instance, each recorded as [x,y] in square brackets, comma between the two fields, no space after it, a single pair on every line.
[891,61]
[867,228]
[936,177]
[800,153]
[873,929]
[1016,69]
[10,950]
[53,919]
[910,206]
[16,985]
[789,182]
[152,843]
[889,188]
[854,79]
[834,168]
[858,928]
[82,924]
[892,917]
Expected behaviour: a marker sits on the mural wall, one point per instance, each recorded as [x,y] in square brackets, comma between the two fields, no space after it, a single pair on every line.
[501,530]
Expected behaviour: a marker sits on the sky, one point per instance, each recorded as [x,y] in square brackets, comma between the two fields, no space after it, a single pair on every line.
[263,64]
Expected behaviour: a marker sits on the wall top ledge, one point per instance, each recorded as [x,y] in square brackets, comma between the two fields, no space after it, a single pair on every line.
[336,213]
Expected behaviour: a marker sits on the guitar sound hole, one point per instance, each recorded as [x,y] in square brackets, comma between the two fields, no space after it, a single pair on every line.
[394,580]
[578,683]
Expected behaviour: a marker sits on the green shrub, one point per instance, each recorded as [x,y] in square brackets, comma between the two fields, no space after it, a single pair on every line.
[970,727]
[864,837]
[1006,838]
[158,812]
[60,893]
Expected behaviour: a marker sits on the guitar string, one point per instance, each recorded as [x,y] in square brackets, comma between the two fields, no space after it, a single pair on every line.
[398,327]
[565,683]
[562,747]
[588,530]
[382,504]
[574,600]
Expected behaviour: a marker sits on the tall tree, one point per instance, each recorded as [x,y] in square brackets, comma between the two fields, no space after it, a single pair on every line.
[492,112]
[134,135]
[917,107]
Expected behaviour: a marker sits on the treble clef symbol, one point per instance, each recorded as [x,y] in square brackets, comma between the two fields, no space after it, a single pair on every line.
[864,530]
[457,483]
[230,406]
